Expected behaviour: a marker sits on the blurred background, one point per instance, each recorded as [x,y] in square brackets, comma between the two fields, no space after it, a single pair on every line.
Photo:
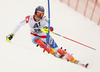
[75,19]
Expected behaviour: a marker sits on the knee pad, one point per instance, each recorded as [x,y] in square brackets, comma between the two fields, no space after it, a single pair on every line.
[34,39]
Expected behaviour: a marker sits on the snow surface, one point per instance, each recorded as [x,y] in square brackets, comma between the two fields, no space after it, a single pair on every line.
[21,55]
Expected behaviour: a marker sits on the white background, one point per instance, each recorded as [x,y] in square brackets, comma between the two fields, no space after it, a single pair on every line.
[21,55]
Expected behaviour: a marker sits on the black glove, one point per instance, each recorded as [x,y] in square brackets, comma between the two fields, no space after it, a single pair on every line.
[9,37]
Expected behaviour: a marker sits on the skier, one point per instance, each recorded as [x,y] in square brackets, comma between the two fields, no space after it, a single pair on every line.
[38,30]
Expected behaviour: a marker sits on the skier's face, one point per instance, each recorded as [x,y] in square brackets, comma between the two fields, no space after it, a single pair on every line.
[39,14]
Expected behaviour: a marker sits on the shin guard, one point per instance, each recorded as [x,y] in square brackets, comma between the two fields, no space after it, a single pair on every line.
[42,45]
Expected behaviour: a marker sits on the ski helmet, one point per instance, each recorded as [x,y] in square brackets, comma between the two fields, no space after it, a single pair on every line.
[39,11]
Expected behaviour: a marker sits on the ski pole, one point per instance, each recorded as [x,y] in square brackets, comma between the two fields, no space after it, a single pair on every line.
[73,40]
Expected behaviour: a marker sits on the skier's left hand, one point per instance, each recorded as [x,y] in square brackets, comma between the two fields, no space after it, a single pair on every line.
[45,29]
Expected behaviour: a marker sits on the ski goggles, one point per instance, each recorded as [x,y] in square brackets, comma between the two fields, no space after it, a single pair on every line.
[39,13]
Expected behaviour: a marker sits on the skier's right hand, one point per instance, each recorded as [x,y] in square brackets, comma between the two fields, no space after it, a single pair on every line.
[9,37]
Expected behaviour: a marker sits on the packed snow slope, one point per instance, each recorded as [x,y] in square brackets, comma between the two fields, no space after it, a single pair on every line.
[21,55]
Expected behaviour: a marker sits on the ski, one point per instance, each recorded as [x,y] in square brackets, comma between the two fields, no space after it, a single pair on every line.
[86,65]
[83,65]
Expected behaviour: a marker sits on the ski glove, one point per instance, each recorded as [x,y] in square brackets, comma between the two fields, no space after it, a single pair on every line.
[45,29]
[9,37]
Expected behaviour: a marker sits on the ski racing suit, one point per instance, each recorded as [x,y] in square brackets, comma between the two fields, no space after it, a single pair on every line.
[39,37]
